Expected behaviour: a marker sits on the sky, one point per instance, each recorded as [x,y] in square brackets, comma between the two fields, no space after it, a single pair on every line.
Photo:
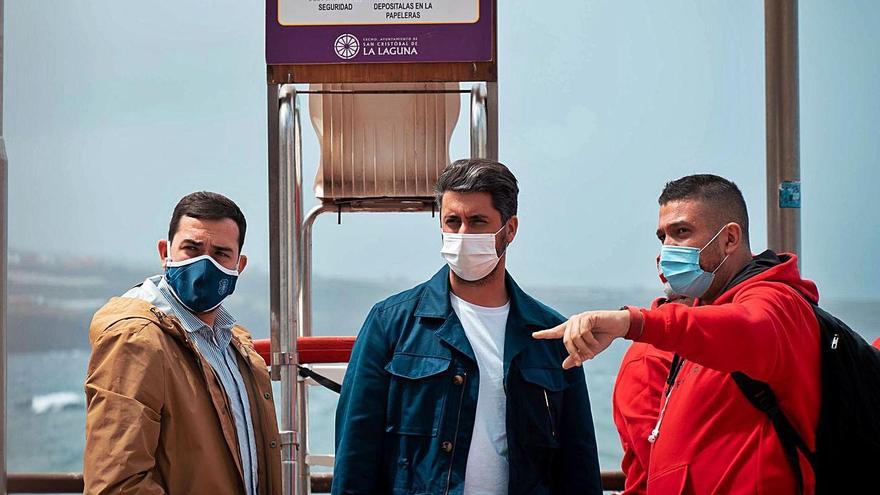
[114,109]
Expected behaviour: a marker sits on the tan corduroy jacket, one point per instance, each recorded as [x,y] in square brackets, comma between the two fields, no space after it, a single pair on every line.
[157,418]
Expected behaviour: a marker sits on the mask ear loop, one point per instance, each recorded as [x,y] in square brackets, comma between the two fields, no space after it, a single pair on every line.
[707,245]
[238,263]
[713,238]
[168,251]
[719,264]
[505,244]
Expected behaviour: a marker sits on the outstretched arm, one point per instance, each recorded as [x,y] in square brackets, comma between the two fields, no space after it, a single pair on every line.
[758,333]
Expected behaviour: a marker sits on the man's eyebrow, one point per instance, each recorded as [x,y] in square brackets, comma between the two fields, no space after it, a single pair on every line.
[679,223]
[478,217]
[192,241]
[223,249]
[672,226]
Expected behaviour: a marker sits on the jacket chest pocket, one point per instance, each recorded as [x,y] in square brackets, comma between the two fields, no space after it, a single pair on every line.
[416,394]
[541,409]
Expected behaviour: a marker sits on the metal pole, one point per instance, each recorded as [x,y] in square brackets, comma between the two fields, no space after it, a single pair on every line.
[272,97]
[306,298]
[305,330]
[479,129]
[492,120]
[289,269]
[3,300]
[783,125]
[304,485]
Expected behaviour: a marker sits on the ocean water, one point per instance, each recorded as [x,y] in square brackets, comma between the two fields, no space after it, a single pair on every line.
[46,402]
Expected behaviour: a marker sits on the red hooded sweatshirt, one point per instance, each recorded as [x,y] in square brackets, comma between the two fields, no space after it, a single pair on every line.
[876,343]
[712,440]
[638,393]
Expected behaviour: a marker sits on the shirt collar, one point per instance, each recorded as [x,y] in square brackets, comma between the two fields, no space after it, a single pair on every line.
[434,302]
[155,291]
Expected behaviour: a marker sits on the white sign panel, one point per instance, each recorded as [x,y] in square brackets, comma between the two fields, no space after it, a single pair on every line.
[357,12]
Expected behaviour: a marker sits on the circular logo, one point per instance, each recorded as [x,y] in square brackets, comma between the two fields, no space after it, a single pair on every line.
[221,289]
[346,46]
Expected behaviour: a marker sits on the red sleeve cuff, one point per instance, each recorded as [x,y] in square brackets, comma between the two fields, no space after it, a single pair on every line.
[636,323]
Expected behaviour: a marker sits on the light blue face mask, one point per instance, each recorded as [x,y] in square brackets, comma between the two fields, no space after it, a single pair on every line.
[681,271]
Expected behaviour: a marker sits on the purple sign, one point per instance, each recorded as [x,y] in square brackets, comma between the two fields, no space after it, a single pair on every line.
[369,31]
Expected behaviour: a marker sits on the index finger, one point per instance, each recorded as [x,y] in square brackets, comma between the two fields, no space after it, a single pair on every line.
[551,333]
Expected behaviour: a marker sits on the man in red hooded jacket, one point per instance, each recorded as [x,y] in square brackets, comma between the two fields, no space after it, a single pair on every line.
[752,315]
[638,394]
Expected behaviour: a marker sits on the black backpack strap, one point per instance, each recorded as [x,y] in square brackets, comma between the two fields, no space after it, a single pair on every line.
[763,398]
[319,378]
[674,368]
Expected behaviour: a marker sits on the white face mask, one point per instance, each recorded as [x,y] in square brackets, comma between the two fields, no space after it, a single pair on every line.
[471,256]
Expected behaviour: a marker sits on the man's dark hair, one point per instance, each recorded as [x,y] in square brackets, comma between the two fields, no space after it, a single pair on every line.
[480,175]
[206,205]
[721,194]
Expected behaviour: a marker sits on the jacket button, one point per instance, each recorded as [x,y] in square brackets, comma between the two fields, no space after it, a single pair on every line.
[446,447]
[457,380]
[272,444]
[267,396]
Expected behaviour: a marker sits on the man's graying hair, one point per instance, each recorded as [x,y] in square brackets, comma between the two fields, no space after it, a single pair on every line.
[480,175]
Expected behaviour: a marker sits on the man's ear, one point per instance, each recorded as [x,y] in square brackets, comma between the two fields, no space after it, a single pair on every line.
[163,247]
[512,227]
[242,262]
[732,237]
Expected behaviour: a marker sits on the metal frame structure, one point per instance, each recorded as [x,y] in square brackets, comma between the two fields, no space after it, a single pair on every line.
[285,185]
[291,252]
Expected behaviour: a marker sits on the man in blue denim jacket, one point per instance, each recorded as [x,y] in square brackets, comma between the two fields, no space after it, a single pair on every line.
[446,391]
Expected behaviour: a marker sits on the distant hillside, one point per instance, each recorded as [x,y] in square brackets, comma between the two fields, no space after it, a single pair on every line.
[51,301]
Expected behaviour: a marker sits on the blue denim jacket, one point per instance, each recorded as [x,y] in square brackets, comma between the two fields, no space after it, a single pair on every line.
[406,413]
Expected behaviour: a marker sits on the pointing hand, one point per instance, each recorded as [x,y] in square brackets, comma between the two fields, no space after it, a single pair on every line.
[587,334]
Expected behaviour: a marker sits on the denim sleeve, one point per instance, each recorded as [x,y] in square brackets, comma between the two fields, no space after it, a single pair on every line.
[579,466]
[360,415]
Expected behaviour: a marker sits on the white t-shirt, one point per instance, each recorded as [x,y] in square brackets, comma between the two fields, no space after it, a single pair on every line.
[487,467]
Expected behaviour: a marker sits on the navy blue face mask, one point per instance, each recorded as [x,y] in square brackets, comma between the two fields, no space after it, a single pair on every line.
[200,284]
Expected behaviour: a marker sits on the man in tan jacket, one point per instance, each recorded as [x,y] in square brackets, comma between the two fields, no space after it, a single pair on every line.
[178,400]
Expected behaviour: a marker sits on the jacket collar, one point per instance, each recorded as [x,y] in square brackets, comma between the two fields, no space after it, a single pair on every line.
[119,308]
[526,315]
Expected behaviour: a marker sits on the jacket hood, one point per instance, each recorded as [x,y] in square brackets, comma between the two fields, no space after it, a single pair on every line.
[771,267]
